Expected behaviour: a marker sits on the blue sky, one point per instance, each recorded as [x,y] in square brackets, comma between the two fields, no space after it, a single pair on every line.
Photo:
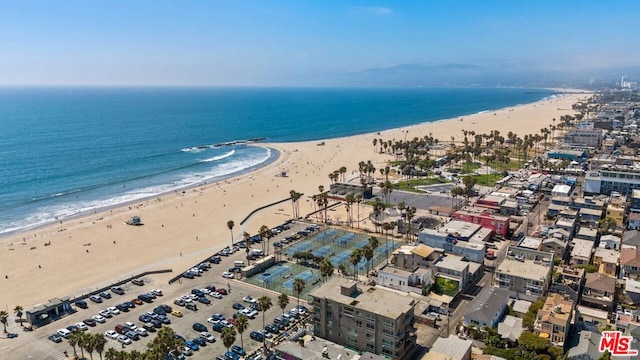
[277,42]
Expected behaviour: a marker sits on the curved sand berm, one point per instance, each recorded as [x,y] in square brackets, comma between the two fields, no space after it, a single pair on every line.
[181,229]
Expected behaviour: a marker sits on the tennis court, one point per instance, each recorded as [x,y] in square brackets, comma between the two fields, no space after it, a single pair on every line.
[334,244]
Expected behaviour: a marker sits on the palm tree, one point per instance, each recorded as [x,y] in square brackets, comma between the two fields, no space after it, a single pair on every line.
[247,243]
[228,337]
[326,268]
[358,199]
[18,311]
[367,253]
[241,323]
[295,196]
[230,225]
[411,212]
[350,199]
[111,354]
[265,303]
[100,342]
[164,342]
[355,258]
[455,192]
[89,343]
[298,287]
[4,318]
[374,242]
[283,301]
[263,231]
[74,339]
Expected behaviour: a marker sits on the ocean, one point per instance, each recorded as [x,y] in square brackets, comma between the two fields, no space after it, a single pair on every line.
[71,150]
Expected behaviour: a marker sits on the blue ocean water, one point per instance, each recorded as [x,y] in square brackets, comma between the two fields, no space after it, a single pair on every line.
[65,151]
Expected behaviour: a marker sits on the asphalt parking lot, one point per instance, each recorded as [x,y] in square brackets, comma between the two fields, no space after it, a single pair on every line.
[181,325]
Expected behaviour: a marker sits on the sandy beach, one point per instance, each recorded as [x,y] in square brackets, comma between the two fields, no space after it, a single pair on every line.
[184,227]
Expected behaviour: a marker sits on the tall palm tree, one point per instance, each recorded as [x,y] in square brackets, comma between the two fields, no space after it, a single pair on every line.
[295,196]
[100,342]
[350,199]
[230,225]
[247,244]
[283,301]
[358,199]
[326,268]
[367,253]
[18,311]
[89,343]
[74,340]
[264,230]
[298,287]
[354,258]
[228,337]
[241,323]
[265,303]
[4,318]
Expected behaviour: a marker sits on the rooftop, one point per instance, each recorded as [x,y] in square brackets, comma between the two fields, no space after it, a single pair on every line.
[556,309]
[451,347]
[487,304]
[582,248]
[586,344]
[600,282]
[630,257]
[521,306]
[390,269]
[459,228]
[608,255]
[510,328]
[422,250]
[530,242]
[586,232]
[527,269]
[374,300]
[452,262]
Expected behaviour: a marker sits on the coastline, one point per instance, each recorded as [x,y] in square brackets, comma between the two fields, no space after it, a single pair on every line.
[183,226]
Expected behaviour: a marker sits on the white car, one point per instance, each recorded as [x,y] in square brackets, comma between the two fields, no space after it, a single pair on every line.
[111,334]
[216,295]
[250,313]
[158,292]
[227,275]
[124,339]
[212,321]
[81,326]
[130,325]
[99,319]
[114,311]
[186,351]
[142,331]
[206,291]
[205,335]
[64,333]
[249,299]
[106,313]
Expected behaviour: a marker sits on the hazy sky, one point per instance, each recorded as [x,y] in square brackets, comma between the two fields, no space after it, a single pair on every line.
[277,42]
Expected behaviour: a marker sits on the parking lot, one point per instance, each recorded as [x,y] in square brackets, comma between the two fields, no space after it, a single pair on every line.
[183,325]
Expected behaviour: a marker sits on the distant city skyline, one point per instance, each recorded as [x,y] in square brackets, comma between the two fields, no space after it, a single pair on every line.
[322,43]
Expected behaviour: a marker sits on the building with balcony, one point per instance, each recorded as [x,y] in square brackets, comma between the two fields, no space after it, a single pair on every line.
[585,137]
[606,261]
[620,179]
[364,318]
[587,233]
[409,257]
[487,308]
[554,319]
[458,237]
[634,202]
[610,242]
[557,246]
[525,273]
[598,292]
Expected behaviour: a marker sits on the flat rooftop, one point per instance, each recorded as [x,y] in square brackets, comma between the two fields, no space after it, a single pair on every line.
[526,269]
[460,228]
[530,242]
[608,255]
[582,248]
[389,304]
[586,232]
[452,262]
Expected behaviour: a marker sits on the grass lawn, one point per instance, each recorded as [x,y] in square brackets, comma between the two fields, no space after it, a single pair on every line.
[467,167]
[490,180]
[512,165]
[410,185]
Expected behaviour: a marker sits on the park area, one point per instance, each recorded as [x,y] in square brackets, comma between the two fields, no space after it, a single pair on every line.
[336,245]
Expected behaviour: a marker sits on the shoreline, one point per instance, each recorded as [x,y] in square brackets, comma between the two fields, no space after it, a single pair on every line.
[93,248]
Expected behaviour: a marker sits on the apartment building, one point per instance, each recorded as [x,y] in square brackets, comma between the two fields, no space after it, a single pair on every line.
[364,318]
[525,273]
[606,261]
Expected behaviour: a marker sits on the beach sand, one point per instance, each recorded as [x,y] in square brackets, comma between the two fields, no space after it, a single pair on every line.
[180,229]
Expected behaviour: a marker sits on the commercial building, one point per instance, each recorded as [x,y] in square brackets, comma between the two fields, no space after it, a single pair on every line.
[458,237]
[364,318]
[485,218]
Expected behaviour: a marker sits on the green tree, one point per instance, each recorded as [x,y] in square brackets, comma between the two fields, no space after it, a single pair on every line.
[531,341]
[18,311]
[295,196]
[605,356]
[264,230]
[89,343]
[230,225]
[4,319]
[265,303]
[367,253]
[228,337]
[354,258]
[298,287]
[283,301]
[100,341]
[164,342]
[75,340]
[469,182]
[326,268]
[241,324]
[111,354]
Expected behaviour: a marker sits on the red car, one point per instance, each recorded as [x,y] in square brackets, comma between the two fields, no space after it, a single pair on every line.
[221,291]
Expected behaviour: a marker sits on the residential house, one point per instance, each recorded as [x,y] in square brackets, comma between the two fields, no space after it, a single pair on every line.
[634,204]
[409,257]
[587,233]
[606,261]
[599,290]
[610,242]
[631,238]
[404,280]
[488,307]
[450,348]
[633,221]
[525,273]
[581,251]
[631,292]
[630,263]
[364,318]
[585,346]
[557,246]
[520,307]
[554,319]
[617,208]
[511,328]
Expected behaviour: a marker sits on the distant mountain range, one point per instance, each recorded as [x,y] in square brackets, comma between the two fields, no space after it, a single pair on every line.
[452,75]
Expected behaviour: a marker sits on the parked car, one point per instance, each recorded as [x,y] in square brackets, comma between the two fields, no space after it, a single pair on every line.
[123,339]
[81,304]
[95,298]
[138,282]
[149,327]
[207,336]
[191,306]
[111,334]
[199,327]
[200,341]
[238,350]
[277,244]
[114,310]
[238,306]
[188,275]
[99,318]
[191,345]
[176,313]
[106,313]
[218,326]
[72,328]
[204,300]
[249,299]
[105,294]
[257,336]
[137,301]
[216,295]
[133,335]
[117,290]
[157,292]
[178,302]
[130,325]
[89,322]
[142,331]
[55,338]
[227,275]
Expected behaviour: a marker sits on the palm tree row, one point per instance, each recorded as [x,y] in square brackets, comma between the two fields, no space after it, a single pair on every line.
[88,342]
